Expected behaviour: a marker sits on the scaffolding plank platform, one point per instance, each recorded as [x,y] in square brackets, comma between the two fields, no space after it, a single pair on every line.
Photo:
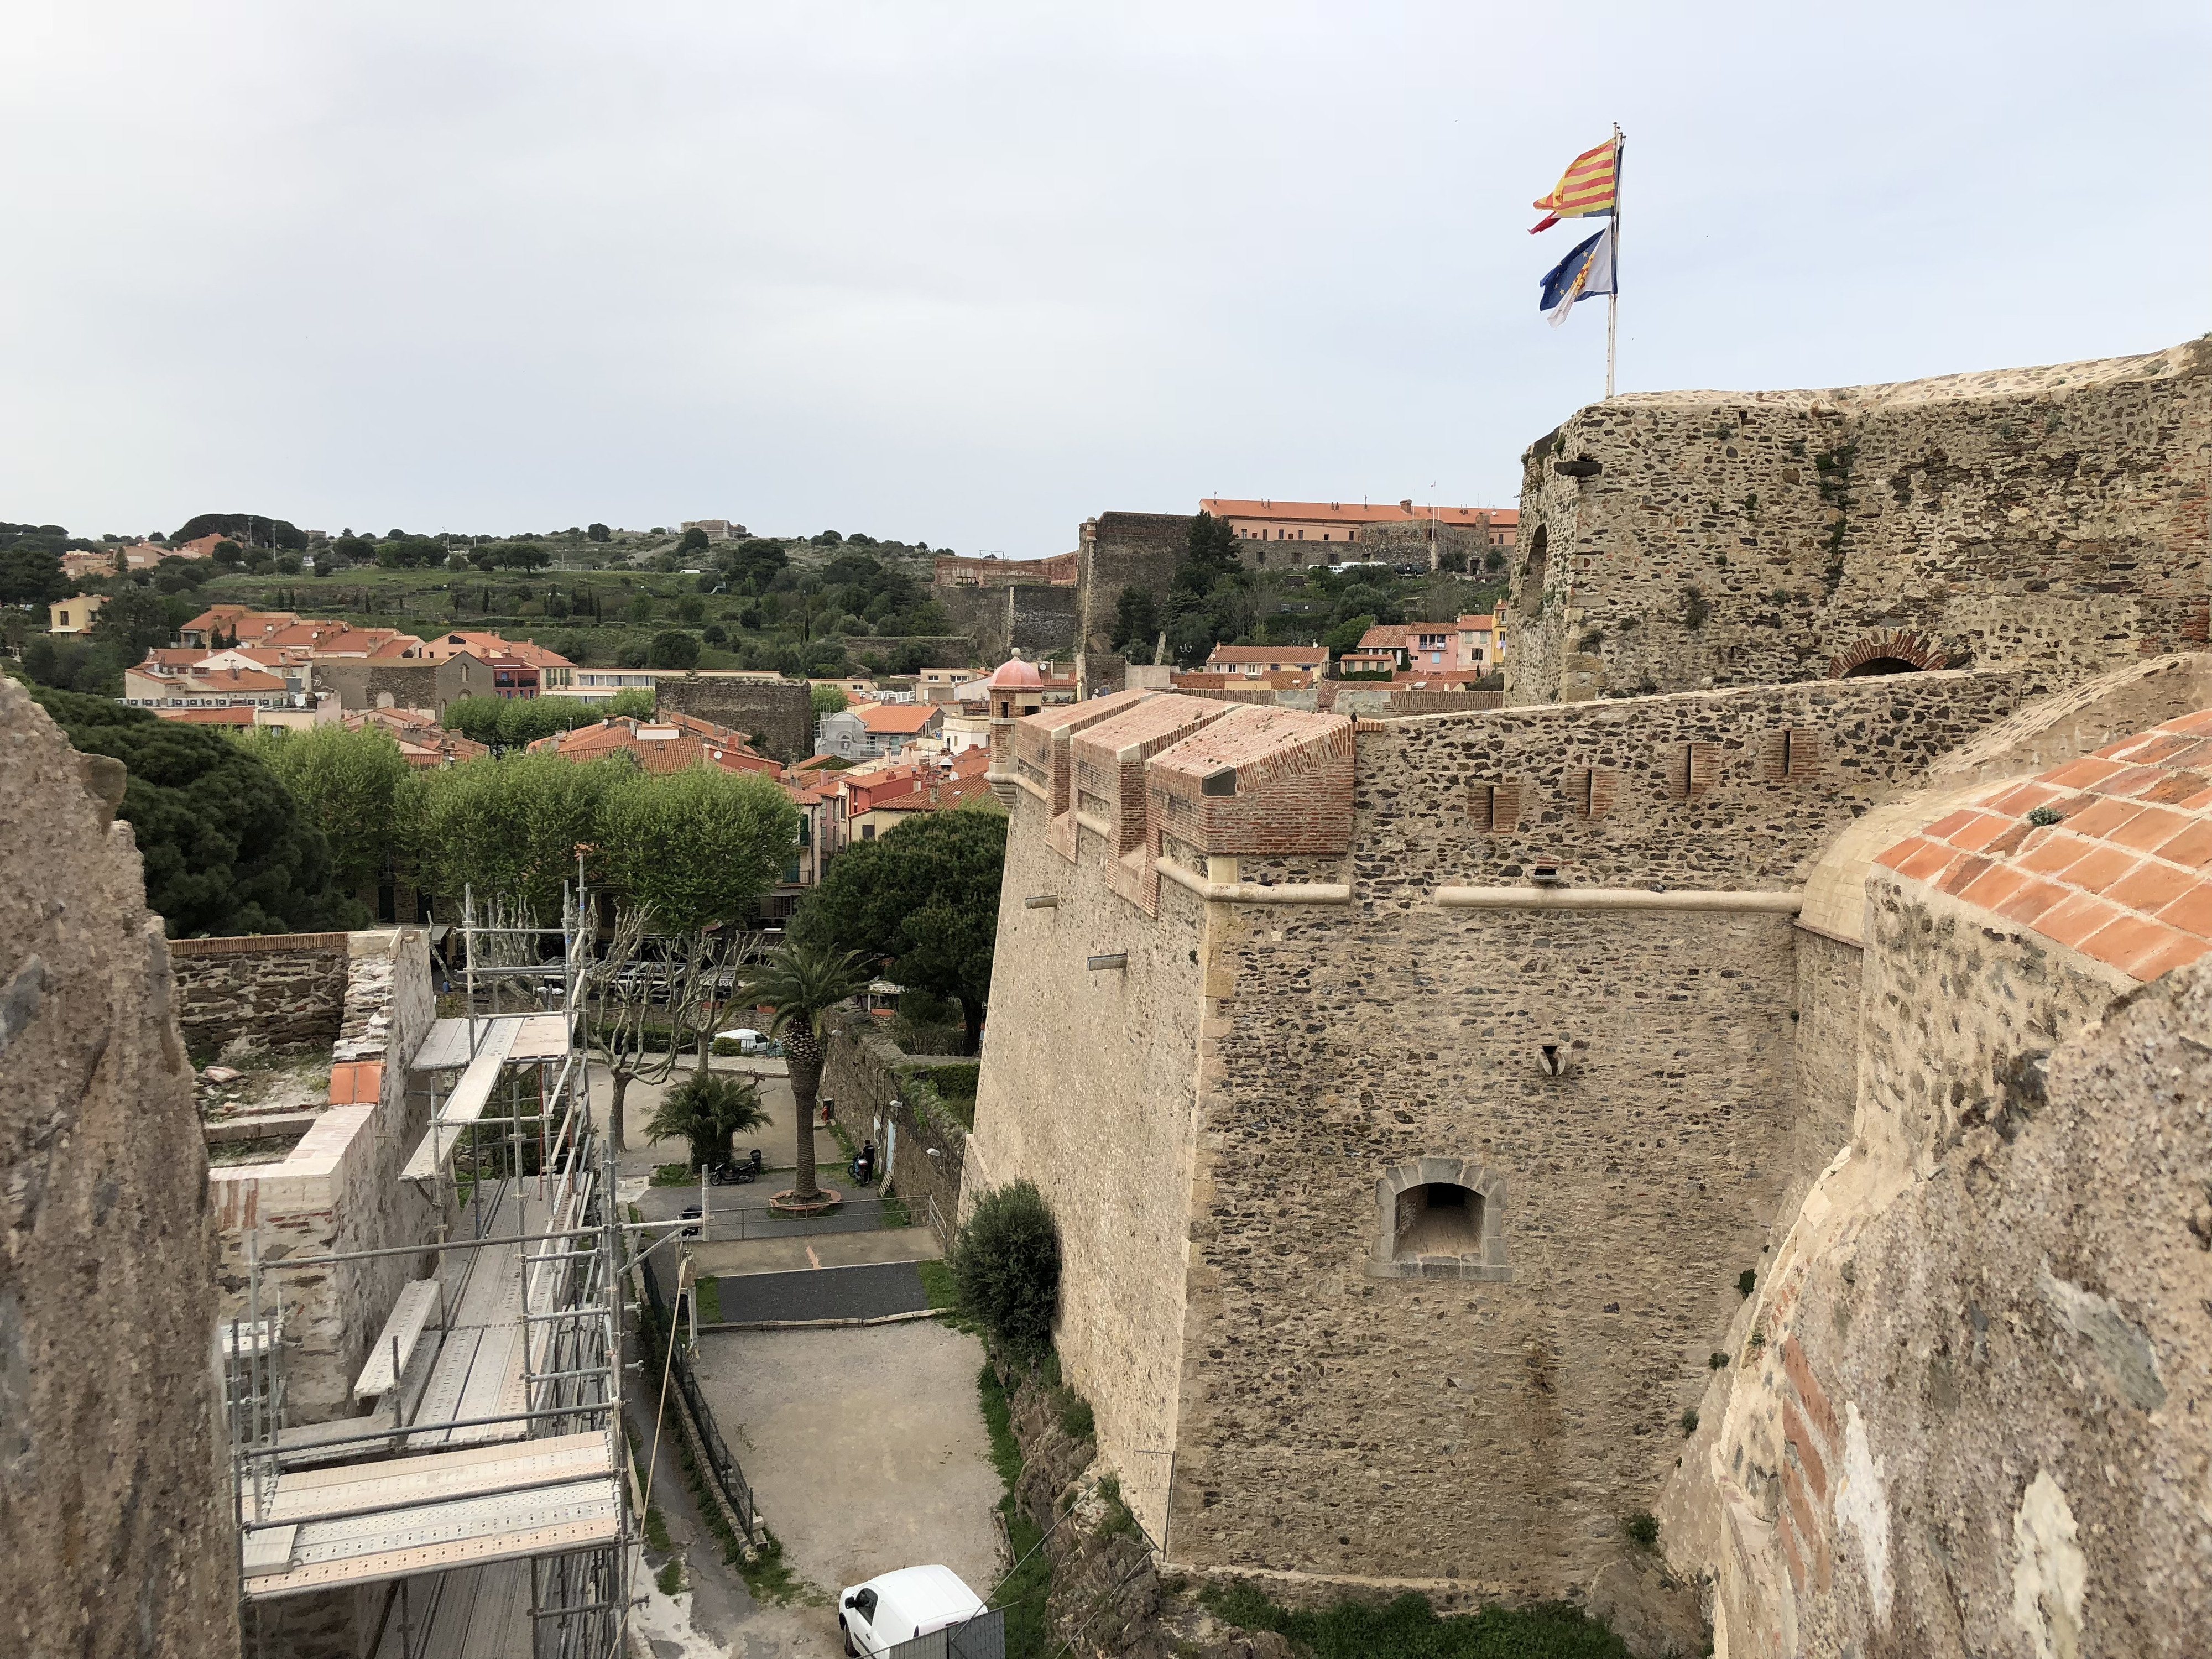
[467,1104]
[395,1343]
[435,1537]
[439,1477]
[268,1550]
[536,1036]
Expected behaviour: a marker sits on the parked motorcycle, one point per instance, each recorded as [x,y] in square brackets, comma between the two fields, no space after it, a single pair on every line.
[737,1171]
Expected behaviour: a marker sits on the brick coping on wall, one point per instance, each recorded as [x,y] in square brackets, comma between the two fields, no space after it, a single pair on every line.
[260,944]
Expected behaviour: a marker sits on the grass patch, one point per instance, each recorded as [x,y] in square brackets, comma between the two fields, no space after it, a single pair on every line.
[1409,1628]
[896,1214]
[670,1579]
[999,1422]
[1023,1593]
[710,1301]
[672,1175]
[768,1577]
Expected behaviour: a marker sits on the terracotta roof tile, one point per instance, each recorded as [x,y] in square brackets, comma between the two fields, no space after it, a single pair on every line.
[2082,774]
[2075,919]
[2103,817]
[2150,827]
[2124,876]
[2034,899]
[2192,846]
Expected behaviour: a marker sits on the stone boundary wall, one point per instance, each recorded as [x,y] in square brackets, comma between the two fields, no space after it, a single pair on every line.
[1963,1414]
[281,991]
[338,1188]
[1123,549]
[865,1071]
[953,571]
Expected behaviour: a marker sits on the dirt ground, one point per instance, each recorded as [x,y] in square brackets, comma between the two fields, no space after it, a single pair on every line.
[866,1448]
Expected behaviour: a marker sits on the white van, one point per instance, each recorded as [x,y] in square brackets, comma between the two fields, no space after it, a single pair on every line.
[897,1606]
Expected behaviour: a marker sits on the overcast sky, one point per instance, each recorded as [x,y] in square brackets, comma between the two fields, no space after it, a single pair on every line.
[969,273]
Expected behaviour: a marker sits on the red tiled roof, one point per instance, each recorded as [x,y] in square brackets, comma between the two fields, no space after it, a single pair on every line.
[658,746]
[1345,512]
[895,717]
[1482,625]
[2124,876]
[236,714]
[1310,656]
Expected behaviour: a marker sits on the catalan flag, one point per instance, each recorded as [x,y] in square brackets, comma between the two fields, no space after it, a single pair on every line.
[1586,189]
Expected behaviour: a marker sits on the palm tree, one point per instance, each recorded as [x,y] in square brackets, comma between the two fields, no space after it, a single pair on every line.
[802,982]
[706,1109]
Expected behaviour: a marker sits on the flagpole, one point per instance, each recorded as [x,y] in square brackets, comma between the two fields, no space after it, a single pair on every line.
[1613,300]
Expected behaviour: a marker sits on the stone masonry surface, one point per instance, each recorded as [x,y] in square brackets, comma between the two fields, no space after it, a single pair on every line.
[114,1536]
[1489,1431]
[277,992]
[1967,1406]
[777,712]
[2057,514]
[338,1189]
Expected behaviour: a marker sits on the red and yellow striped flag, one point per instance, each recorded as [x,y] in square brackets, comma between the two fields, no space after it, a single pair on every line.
[1585,189]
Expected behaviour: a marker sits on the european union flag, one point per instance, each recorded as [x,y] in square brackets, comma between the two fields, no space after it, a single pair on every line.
[1586,270]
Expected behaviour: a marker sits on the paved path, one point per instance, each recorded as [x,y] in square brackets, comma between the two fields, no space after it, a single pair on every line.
[862,1292]
[866,1448]
[772,1256]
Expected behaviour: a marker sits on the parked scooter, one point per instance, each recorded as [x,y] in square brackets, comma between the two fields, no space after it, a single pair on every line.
[737,1171]
[862,1168]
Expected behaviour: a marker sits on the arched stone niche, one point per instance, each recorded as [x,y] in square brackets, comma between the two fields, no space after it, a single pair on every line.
[1439,1218]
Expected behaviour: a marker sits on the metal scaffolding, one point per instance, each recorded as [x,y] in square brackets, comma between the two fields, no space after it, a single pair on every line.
[488,1480]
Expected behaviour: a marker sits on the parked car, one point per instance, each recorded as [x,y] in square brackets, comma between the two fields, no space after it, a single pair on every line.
[897,1606]
[749,1041]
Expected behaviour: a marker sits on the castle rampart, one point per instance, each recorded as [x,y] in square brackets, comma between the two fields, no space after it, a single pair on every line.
[1308,1025]
[1671,540]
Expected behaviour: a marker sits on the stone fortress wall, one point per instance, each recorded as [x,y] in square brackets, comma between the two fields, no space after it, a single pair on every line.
[776,712]
[1444,1073]
[115,1534]
[1670,540]
[1113,551]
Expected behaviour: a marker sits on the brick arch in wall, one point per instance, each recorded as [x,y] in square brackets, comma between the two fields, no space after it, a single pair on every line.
[1870,654]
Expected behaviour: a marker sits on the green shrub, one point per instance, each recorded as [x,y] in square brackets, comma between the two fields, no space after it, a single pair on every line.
[1641,1530]
[1006,1262]
[1689,1422]
[1717,1361]
[1746,1283]
[1409,1628]
[1077,1420]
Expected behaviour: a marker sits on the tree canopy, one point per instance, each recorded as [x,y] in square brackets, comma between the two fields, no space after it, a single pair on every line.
[1200,594]
[509,826]
[694,848]
[924,901]
[31,574]
[348,784]
[513,722]
[249,528]
[829,699]
[225,849]
[673,647]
